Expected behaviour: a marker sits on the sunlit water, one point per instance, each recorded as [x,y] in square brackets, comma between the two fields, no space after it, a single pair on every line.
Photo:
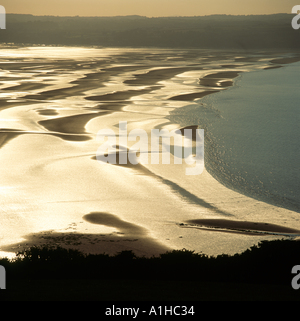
[252,141]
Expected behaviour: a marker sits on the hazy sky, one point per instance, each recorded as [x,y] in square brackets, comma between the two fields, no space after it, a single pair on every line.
[150,8]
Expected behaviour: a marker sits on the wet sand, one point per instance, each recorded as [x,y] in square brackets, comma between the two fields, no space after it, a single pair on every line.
[245,227]
[284,61]
[193,96]
[220,79]
[124,236]
[71,124]
[121,95]
[155,76]
[48,141]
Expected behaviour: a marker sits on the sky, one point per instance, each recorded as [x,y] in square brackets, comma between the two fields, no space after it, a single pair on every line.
[149,8]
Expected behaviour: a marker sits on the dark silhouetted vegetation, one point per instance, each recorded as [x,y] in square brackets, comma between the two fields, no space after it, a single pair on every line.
[262,272]
[212,32]
[268,262]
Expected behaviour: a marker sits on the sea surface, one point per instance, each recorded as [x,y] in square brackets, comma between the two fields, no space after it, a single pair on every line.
[253,134]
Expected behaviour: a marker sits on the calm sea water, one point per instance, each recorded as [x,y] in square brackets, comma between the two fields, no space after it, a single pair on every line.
[252,135]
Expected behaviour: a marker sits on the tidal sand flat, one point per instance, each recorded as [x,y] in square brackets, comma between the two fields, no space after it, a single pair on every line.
[55,191]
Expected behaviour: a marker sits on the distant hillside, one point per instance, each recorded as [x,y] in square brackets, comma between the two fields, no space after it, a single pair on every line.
[215,32]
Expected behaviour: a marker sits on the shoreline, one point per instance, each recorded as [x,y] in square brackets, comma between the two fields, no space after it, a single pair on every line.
[229,105]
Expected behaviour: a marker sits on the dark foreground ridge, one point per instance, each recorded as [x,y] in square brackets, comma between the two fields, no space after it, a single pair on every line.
[268,262]
[257,273]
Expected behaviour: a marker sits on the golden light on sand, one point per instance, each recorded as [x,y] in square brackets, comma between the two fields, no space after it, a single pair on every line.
[54,189]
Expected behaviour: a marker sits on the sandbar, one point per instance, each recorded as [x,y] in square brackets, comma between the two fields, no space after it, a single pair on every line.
[70,124]
[220,79]
[243,226]
[193,96]
[7,135]
[284,61]
[138,168]
[121,95]
[154,76]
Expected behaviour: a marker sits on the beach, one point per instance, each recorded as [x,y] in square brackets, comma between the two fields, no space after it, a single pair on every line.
[54,191]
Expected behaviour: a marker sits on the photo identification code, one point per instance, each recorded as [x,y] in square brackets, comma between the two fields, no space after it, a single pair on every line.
[153,310]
